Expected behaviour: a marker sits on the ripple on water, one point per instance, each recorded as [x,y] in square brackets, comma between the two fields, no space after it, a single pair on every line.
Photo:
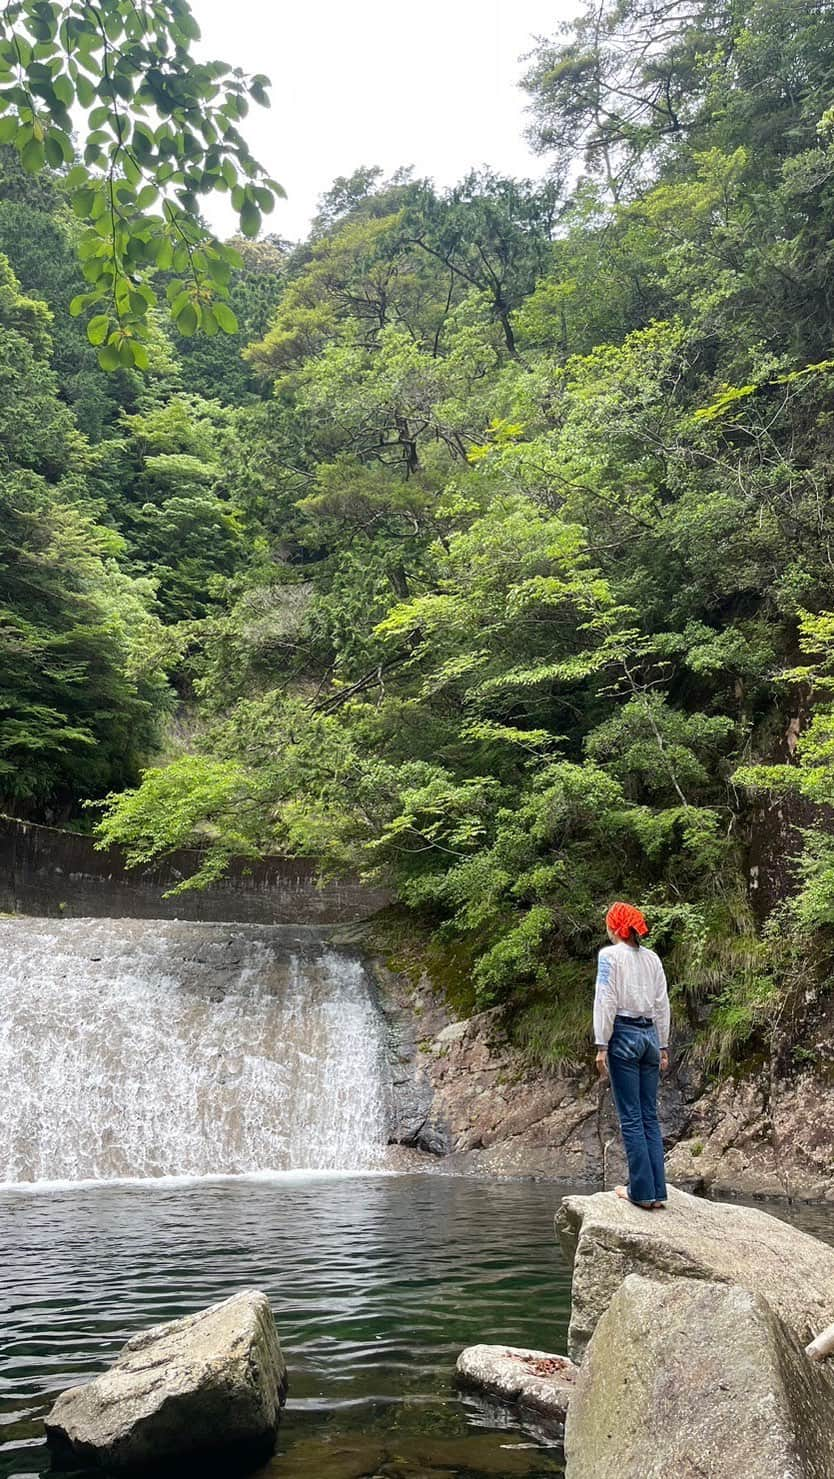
[376,1282]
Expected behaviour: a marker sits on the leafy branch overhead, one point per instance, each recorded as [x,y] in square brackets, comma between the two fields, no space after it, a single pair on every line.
[160,131]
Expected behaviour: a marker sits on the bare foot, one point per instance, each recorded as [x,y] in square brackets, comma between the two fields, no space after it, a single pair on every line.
[658,1206]
[622,1193]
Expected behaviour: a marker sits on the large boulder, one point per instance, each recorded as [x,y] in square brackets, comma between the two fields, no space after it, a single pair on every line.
[700,1381]
[536,1380]
[606,1239]
[206,1390]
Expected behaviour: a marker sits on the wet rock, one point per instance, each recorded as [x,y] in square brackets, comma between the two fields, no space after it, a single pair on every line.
[459,1089]
[761,1137]
[606,1239]
[205,1391]
[433,1138]
[691,1378]
[531,1379]
[410,1093]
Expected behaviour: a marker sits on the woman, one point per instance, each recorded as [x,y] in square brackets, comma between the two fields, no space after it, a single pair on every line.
[631,1029]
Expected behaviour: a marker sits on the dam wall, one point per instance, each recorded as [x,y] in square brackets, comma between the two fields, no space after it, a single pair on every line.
[48,872]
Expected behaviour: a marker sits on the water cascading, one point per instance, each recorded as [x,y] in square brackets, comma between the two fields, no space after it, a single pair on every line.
[133,1048]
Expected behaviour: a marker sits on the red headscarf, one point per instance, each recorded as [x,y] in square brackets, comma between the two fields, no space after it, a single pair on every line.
[623,918]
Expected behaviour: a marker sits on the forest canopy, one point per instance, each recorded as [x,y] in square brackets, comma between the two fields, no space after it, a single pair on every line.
[492,556]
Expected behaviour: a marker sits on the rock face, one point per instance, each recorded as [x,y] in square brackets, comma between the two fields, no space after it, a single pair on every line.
[607,1239]
[532,1379]
[697,1380]
[206,1390]
[462,1092]
[763,1137]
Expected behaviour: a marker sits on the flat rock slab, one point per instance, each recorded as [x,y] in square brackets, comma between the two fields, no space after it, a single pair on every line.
[606,1239]
[205,1391]
[533,1379]
[694,1380]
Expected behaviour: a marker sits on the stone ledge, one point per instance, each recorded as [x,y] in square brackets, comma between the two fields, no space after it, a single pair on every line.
[536,1380]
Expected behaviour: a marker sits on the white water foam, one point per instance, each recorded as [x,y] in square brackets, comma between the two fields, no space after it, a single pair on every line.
[146,1049]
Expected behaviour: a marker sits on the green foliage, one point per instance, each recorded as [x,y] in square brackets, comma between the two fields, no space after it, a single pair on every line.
[78,711]
[213,365]
[160,130]
[174,508]
[190,796]
[809,773]
[37,235]
[482,570]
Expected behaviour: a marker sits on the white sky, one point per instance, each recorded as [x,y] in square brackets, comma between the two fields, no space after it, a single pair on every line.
[432,83]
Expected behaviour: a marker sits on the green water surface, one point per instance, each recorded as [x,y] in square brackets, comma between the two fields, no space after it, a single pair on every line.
[377,1283]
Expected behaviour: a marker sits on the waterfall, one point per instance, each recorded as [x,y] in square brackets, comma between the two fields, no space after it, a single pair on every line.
[143,1048]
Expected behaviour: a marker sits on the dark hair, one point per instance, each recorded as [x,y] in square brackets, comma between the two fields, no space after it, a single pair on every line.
[633,938]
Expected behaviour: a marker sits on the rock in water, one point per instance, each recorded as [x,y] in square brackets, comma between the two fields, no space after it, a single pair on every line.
[206,1390]
[607,1238]
[532,1379]
[697,1380]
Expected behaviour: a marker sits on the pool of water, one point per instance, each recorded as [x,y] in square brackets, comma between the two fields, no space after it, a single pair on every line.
[377,1283]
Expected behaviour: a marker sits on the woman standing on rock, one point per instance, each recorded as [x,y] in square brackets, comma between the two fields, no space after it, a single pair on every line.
[631,1030]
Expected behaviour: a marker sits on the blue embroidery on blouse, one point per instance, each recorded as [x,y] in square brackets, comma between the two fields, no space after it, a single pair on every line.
[603,969]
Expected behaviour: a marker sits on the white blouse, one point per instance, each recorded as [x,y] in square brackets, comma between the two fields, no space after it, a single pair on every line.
[630,983]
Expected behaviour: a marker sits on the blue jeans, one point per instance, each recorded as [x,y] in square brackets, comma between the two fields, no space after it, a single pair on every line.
[634,1070]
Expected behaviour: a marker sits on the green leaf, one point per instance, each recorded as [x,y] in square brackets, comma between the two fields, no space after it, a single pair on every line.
[85,91]
[225,318]
[143,142]
[141,358]
[250,219]
[133,173]
[108,357]
[161,252]
[33,155]
[83,202]
[64,90]
[54,152]
[186,320]
[97,328]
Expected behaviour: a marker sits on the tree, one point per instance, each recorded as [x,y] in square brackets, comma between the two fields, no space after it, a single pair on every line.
[175,513]
[491,234]
[632,84]
[37,234]
[79,702]
[213,365]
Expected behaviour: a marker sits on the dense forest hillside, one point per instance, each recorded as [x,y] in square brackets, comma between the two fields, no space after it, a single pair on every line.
[492,556]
